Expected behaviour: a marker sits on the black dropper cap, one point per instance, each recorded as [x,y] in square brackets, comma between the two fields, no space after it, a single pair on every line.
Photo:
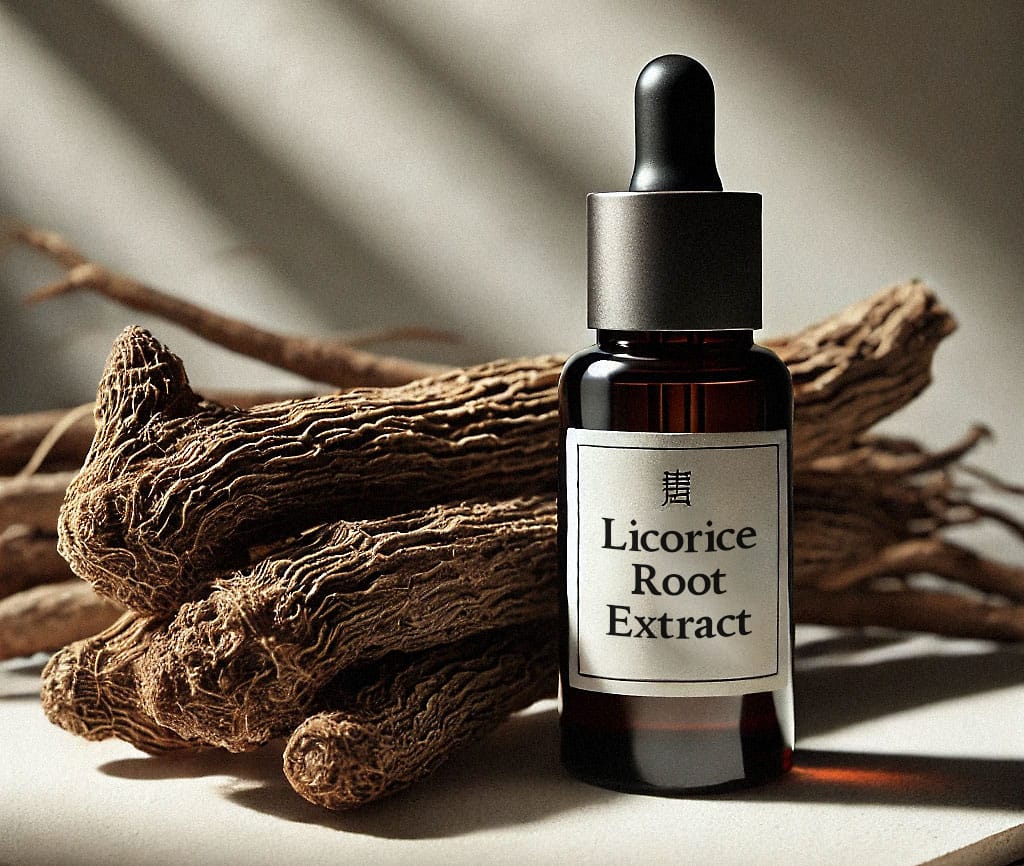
[674,107]
[675,253]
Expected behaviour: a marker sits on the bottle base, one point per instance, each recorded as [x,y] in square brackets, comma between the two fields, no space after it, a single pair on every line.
[673,763]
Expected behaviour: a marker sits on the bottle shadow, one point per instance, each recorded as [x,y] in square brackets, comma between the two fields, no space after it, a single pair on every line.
[838,683]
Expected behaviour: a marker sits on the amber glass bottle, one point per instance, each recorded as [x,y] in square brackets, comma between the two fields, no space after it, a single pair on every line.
[675,382]
[674,521]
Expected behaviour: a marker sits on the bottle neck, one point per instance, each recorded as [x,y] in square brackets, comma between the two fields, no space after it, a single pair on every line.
[659,342]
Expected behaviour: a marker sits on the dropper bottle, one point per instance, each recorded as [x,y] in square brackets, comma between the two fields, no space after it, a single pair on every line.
[675,477]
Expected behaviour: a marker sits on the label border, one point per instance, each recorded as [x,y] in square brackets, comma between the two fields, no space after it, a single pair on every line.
[781,559]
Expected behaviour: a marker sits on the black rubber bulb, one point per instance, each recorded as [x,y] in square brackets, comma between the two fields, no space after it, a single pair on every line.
[675,127]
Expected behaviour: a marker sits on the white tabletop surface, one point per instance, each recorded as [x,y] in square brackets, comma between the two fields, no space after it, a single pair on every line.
[909,748]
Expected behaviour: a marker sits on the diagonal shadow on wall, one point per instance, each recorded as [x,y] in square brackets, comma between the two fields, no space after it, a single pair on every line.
[941,101]
[428,56]
[350,283]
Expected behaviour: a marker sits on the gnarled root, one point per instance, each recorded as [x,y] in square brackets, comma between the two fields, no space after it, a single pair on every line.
[90,688]
[413,712]
[176,488]
[244,664]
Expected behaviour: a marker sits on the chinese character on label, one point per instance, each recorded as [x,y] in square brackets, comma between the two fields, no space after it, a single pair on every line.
[676,487]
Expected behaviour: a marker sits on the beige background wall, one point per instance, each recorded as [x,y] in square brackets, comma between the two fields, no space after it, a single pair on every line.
[325,165]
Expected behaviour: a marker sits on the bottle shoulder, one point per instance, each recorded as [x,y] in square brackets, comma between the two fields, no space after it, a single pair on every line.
[676,389]
[752,362]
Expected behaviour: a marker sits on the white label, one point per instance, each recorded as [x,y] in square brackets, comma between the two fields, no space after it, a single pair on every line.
[678,562]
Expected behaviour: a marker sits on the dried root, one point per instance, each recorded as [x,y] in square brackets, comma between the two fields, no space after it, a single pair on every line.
[868,522]
[334,362]
[176,487]
[90,688]
[244,664]
[911,610]
[45,618]
[405,719]
[860,365]
[29,558]
[31,435]
[58,440]
[33,500]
